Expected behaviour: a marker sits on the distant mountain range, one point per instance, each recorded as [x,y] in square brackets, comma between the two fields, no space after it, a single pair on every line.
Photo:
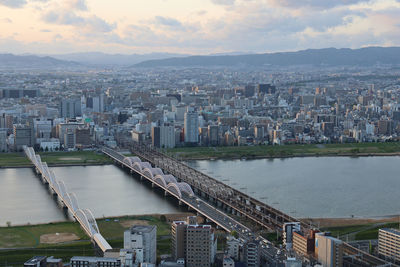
[102,59]
[32,61]
[317,57]
[328,56]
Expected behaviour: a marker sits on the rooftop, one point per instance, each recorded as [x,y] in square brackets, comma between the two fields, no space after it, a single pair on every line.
[34,260]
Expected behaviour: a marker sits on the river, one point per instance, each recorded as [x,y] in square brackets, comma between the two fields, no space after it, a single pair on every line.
[105,190]
[302,187]
[314,187]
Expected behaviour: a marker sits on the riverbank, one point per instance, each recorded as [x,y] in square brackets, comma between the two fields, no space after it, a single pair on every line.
[67,239]
[55,159]
[354,229]
[287,151]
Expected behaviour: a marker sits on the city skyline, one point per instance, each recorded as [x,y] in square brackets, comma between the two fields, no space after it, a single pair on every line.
[194,27]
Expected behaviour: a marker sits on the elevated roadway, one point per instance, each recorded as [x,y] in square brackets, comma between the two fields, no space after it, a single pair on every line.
[185,195]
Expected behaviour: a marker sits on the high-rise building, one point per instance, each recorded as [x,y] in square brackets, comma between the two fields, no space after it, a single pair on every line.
[328,250]
[19,93]
[145,237]
[69,139]
[389,243]
[43,128]
[303,243]
[249,90]
[191,127]
[195,243]
[6,121]
[97,103]
[163,136]
[23,136]
[3,140]
[62,128]
[82,135]
[252,253]
[385,127]
[178,232]
[233,247]
[288,229]
[213,135]
[179,110]
[199,245]
[70,108]
[266,89]
[259,132]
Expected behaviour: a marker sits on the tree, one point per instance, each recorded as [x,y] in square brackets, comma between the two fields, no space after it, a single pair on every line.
[163,218]
[235,234]
[8,224]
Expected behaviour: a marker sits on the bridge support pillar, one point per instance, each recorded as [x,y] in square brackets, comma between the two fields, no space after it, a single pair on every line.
[153,185]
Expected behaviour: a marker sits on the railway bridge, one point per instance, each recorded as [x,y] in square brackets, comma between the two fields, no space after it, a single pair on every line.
[228,199]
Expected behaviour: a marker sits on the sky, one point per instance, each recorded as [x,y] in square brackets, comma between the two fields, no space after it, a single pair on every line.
[195,26]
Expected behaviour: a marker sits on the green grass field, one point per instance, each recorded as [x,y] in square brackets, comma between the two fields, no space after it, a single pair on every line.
[29,236]
[74,157]
[373,233]
[362,232]
[18,256]
[344,230]
[55,158]
[24,241]
[13,159]
[292,150]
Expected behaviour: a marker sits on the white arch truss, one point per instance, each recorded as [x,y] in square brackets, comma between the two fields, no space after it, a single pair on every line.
[185,188]
[140,166]
[131,160]
[174,189]
[160,180]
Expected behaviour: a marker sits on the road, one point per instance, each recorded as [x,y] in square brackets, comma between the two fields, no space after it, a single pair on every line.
[268,251]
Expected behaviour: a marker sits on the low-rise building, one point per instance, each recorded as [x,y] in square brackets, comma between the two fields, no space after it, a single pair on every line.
[142,237]
[83,261]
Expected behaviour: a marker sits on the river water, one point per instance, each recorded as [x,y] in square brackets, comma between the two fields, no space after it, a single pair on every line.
[302,187]
[105,190]
[316,186]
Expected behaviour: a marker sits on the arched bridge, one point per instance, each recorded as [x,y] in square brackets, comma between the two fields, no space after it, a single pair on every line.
[83,216]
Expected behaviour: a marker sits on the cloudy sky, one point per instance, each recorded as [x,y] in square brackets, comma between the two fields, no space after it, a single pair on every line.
[195,26]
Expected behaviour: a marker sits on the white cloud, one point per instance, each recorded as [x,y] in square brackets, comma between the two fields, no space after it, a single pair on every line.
[236,25]
[13,3]
[224,2]
[90,23]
